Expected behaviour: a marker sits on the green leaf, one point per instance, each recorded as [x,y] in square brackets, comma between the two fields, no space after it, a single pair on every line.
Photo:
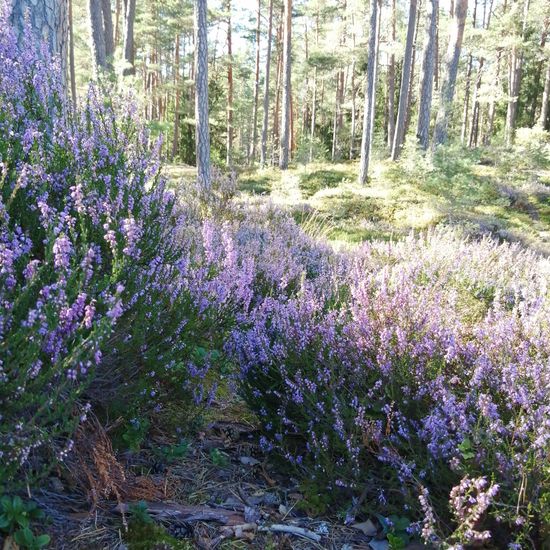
[42,540]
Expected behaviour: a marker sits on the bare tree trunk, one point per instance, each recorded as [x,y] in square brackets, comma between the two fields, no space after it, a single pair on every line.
[72,73]
[449,82]
[275,142]
[314,95]
[108,29]
[265,123]
[466,111]
[411,99]
[428,69]
[252,150]
[286,116]
[175,143]
[129,18]
[48,21]
[117,23]
[97,35]
[545,106]
[370,93]
[399,135]
[202,128]
[391,83]
[353,111]
[229,115]
[514,82]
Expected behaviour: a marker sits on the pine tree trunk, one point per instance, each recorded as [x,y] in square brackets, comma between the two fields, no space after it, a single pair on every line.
[391,84]
[286,114]
[514,82]
[314,96]
[48,21]
[353,111]
[476,111]
[229,114]
[545,106]
[399,135]
[108,29]
[275,142]
[202,128]
[252,155]
[370,93]
[175,143]
[97,34]
[117,23]
[265,123]
[449,82]
[428,69]
[129,18]
[411,99]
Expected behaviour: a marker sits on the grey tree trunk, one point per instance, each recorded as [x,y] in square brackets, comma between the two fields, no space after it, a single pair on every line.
[514,81]
[202,128]
[252,150]
[229,114]
[391,84]
[175,142]
[399,135]
[370,93]
[428,69]
[286,121]
[108,29]
[128,47]
[448,85]
[72,72]
[265,123]
[545,99]
[48,21]
[97,35]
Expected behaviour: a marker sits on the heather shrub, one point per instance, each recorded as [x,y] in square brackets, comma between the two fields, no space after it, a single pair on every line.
[102,298]
[425,389]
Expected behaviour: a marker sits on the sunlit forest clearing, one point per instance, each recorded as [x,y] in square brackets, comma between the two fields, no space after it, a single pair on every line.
[274,274]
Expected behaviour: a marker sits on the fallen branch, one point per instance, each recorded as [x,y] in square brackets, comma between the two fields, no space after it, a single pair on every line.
[291,529]
[189,514]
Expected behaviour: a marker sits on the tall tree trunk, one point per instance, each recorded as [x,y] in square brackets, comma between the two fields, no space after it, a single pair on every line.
[428,69]
[202,128]
[314,95]
[175,143]
[72,72]
[275,142]
[286,115]
[265,124]
[391,83]
[370,92]
[252,154]
[108,29]
[229,114]
[97,35]
[117,23]
[399,135]
[514,81]
[48,20]
[411,99]
[545,106]
[129,18]
[468,85]
[353,129]
[449,82]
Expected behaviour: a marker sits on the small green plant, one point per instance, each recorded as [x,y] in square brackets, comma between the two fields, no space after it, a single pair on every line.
[135,433]
[25,538]
[218,458]
[171,453]
[140,513]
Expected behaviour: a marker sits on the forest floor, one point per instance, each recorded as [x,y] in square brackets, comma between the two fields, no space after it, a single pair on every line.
[484,194]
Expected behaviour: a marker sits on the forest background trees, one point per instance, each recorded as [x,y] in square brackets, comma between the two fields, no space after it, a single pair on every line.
[322,79]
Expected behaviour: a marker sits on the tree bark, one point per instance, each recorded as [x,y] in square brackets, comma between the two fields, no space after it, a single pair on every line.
[97,35]
[391,83]
[370,93]
[514,82]
[252,150]
[411,98]
[449,82]
[286,115]
[399,135]
[48,20]
[175,143]
[108,29]
[428,69]
[545,106]
[202,129]
[229,114]
[128,47]
[265,123]
[275,142]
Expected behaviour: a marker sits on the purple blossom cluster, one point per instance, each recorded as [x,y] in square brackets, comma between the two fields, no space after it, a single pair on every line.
[429,359]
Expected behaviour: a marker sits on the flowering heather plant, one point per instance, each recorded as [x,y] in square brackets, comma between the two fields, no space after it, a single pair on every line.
[435,369]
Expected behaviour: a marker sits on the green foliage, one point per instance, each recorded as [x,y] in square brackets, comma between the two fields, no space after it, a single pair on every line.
[26,539]
[16,517]
[219,458]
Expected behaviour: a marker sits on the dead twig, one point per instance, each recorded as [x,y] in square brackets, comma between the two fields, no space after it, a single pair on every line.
[293,530]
